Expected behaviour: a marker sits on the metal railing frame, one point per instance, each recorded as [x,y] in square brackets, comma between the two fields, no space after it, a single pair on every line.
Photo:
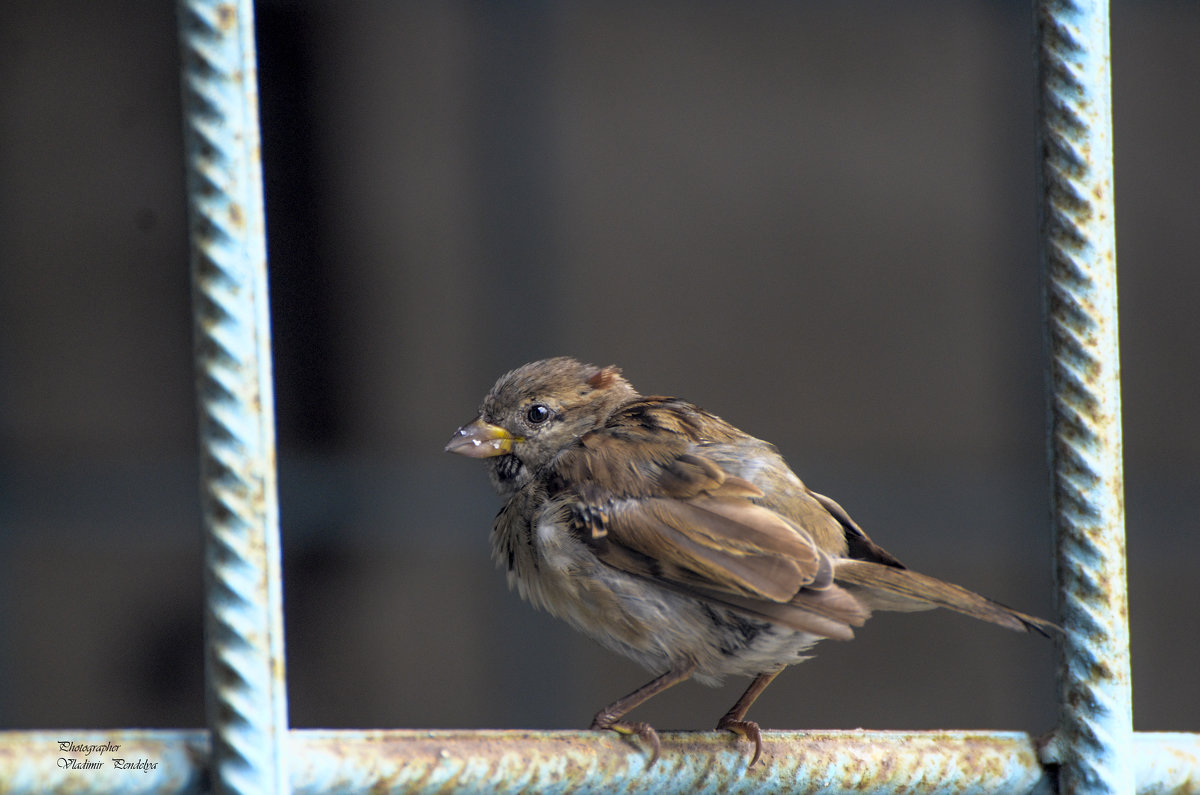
[248,747]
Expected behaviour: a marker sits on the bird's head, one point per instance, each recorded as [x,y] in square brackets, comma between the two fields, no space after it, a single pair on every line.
[535,411]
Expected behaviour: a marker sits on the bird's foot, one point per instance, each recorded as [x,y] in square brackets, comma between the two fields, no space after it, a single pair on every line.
[746,729]
[644,731]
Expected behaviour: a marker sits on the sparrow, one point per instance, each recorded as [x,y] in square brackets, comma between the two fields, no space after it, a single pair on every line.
[671,537]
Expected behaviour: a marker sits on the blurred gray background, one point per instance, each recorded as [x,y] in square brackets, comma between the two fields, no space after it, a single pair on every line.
[814,219]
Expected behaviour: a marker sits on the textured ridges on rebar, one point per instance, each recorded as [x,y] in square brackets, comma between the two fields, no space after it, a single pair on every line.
[420,762]
[1095,736]
[246,697]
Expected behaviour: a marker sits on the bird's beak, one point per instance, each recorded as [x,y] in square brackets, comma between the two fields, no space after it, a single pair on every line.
[479,439]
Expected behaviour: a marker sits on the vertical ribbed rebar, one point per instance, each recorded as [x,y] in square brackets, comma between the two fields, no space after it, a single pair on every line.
[246,695]
[1094,741]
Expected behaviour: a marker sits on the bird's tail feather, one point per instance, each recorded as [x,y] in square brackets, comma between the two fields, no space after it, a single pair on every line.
[906,589]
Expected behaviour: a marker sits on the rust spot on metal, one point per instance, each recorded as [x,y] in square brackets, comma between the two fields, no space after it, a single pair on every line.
[237,216]
[227,17]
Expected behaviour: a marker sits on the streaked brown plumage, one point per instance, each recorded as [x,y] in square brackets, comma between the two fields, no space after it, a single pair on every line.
[672,537]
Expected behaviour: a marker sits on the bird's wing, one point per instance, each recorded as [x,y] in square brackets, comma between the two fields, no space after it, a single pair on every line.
[666,512]
[859,544]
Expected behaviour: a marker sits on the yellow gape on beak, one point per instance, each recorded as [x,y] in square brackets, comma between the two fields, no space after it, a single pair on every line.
[478,439]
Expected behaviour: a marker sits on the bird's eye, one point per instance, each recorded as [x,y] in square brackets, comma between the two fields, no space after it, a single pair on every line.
[537,414]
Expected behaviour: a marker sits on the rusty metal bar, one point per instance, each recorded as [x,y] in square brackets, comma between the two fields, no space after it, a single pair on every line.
[414,761]
[692,762]
[244,663]
[1093,743]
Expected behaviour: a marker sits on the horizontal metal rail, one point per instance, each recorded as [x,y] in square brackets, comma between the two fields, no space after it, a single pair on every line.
[415,761]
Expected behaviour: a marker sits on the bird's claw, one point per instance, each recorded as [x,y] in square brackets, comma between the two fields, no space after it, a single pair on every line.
[643,730]
[746,729]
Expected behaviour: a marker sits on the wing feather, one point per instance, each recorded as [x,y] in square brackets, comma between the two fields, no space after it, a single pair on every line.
[655,500]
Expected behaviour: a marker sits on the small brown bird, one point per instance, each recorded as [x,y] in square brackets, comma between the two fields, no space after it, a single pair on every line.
[672,537]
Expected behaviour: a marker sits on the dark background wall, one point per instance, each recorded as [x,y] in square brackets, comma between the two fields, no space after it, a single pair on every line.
[817,220]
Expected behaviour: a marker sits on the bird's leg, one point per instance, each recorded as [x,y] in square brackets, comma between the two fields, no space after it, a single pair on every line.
[733,720]
[610,716]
